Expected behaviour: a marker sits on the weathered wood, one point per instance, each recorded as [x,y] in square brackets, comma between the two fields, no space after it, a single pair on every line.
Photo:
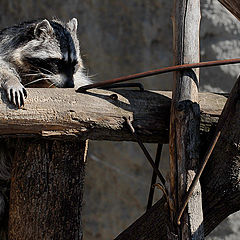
[185,122]
[47,189]
[224,190]
[233,6]
[64,113]
[220,183]
[152,225]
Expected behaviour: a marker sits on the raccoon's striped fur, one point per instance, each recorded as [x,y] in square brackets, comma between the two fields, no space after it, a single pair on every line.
[40,53]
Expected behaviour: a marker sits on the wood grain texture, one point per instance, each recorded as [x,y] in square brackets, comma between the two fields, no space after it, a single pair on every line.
[233,6]
[60,113]
[151,226]
[184,122]
[47,190]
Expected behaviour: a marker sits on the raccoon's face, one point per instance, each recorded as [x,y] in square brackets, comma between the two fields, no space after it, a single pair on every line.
[53,54]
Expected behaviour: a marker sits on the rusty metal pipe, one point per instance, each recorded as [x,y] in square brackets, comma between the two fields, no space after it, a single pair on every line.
[158,71]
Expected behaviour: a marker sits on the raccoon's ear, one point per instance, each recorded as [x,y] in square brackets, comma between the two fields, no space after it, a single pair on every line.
[43,29]
[72,25]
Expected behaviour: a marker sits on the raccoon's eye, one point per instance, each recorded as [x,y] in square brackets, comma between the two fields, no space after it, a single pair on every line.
[52,65]
[44,65]
[57,65]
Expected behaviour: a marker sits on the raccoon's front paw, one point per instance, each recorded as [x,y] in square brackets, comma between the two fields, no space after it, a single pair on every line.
[16,94]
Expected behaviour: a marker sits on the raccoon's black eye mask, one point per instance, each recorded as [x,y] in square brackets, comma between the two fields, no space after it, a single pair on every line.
[53,65]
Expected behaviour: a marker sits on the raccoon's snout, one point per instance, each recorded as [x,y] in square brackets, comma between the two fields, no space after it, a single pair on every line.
[63,81]
[69,84]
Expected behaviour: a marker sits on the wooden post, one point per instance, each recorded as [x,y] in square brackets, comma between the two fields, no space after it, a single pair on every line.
[184,122]
[47,189]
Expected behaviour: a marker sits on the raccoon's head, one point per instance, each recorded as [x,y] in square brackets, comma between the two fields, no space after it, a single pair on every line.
[53,54]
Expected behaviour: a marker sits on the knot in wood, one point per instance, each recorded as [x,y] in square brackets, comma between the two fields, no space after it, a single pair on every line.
[184,105]
[187,105]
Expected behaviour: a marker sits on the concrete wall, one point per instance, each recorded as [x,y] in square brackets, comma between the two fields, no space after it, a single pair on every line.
[118,38]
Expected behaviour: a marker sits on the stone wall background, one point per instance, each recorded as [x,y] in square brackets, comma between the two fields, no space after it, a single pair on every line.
[118,38]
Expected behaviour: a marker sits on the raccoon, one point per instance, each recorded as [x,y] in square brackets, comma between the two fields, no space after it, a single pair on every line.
[39,53]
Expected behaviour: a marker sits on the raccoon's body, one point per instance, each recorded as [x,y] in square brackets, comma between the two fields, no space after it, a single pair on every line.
[39,53]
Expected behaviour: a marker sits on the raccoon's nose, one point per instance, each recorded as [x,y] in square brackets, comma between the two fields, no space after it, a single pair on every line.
[69,84]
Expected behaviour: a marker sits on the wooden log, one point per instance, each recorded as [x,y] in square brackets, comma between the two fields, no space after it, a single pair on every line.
[184,123]
[220,183]
[60,113]
[47,189]
[233,6]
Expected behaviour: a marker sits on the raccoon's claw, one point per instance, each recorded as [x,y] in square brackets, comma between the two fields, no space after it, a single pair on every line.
[17,95]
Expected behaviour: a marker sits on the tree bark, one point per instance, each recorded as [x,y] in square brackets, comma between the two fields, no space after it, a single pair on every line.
[220,182]
[184,123]
[46,190]
[233,6]
[62,113]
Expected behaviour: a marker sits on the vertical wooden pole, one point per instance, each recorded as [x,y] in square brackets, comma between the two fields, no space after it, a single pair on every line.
[47,190]
[184,121]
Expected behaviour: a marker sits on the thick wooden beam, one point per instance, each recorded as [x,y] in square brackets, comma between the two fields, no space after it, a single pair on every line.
[233,6]
[60,113]
[184,123]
